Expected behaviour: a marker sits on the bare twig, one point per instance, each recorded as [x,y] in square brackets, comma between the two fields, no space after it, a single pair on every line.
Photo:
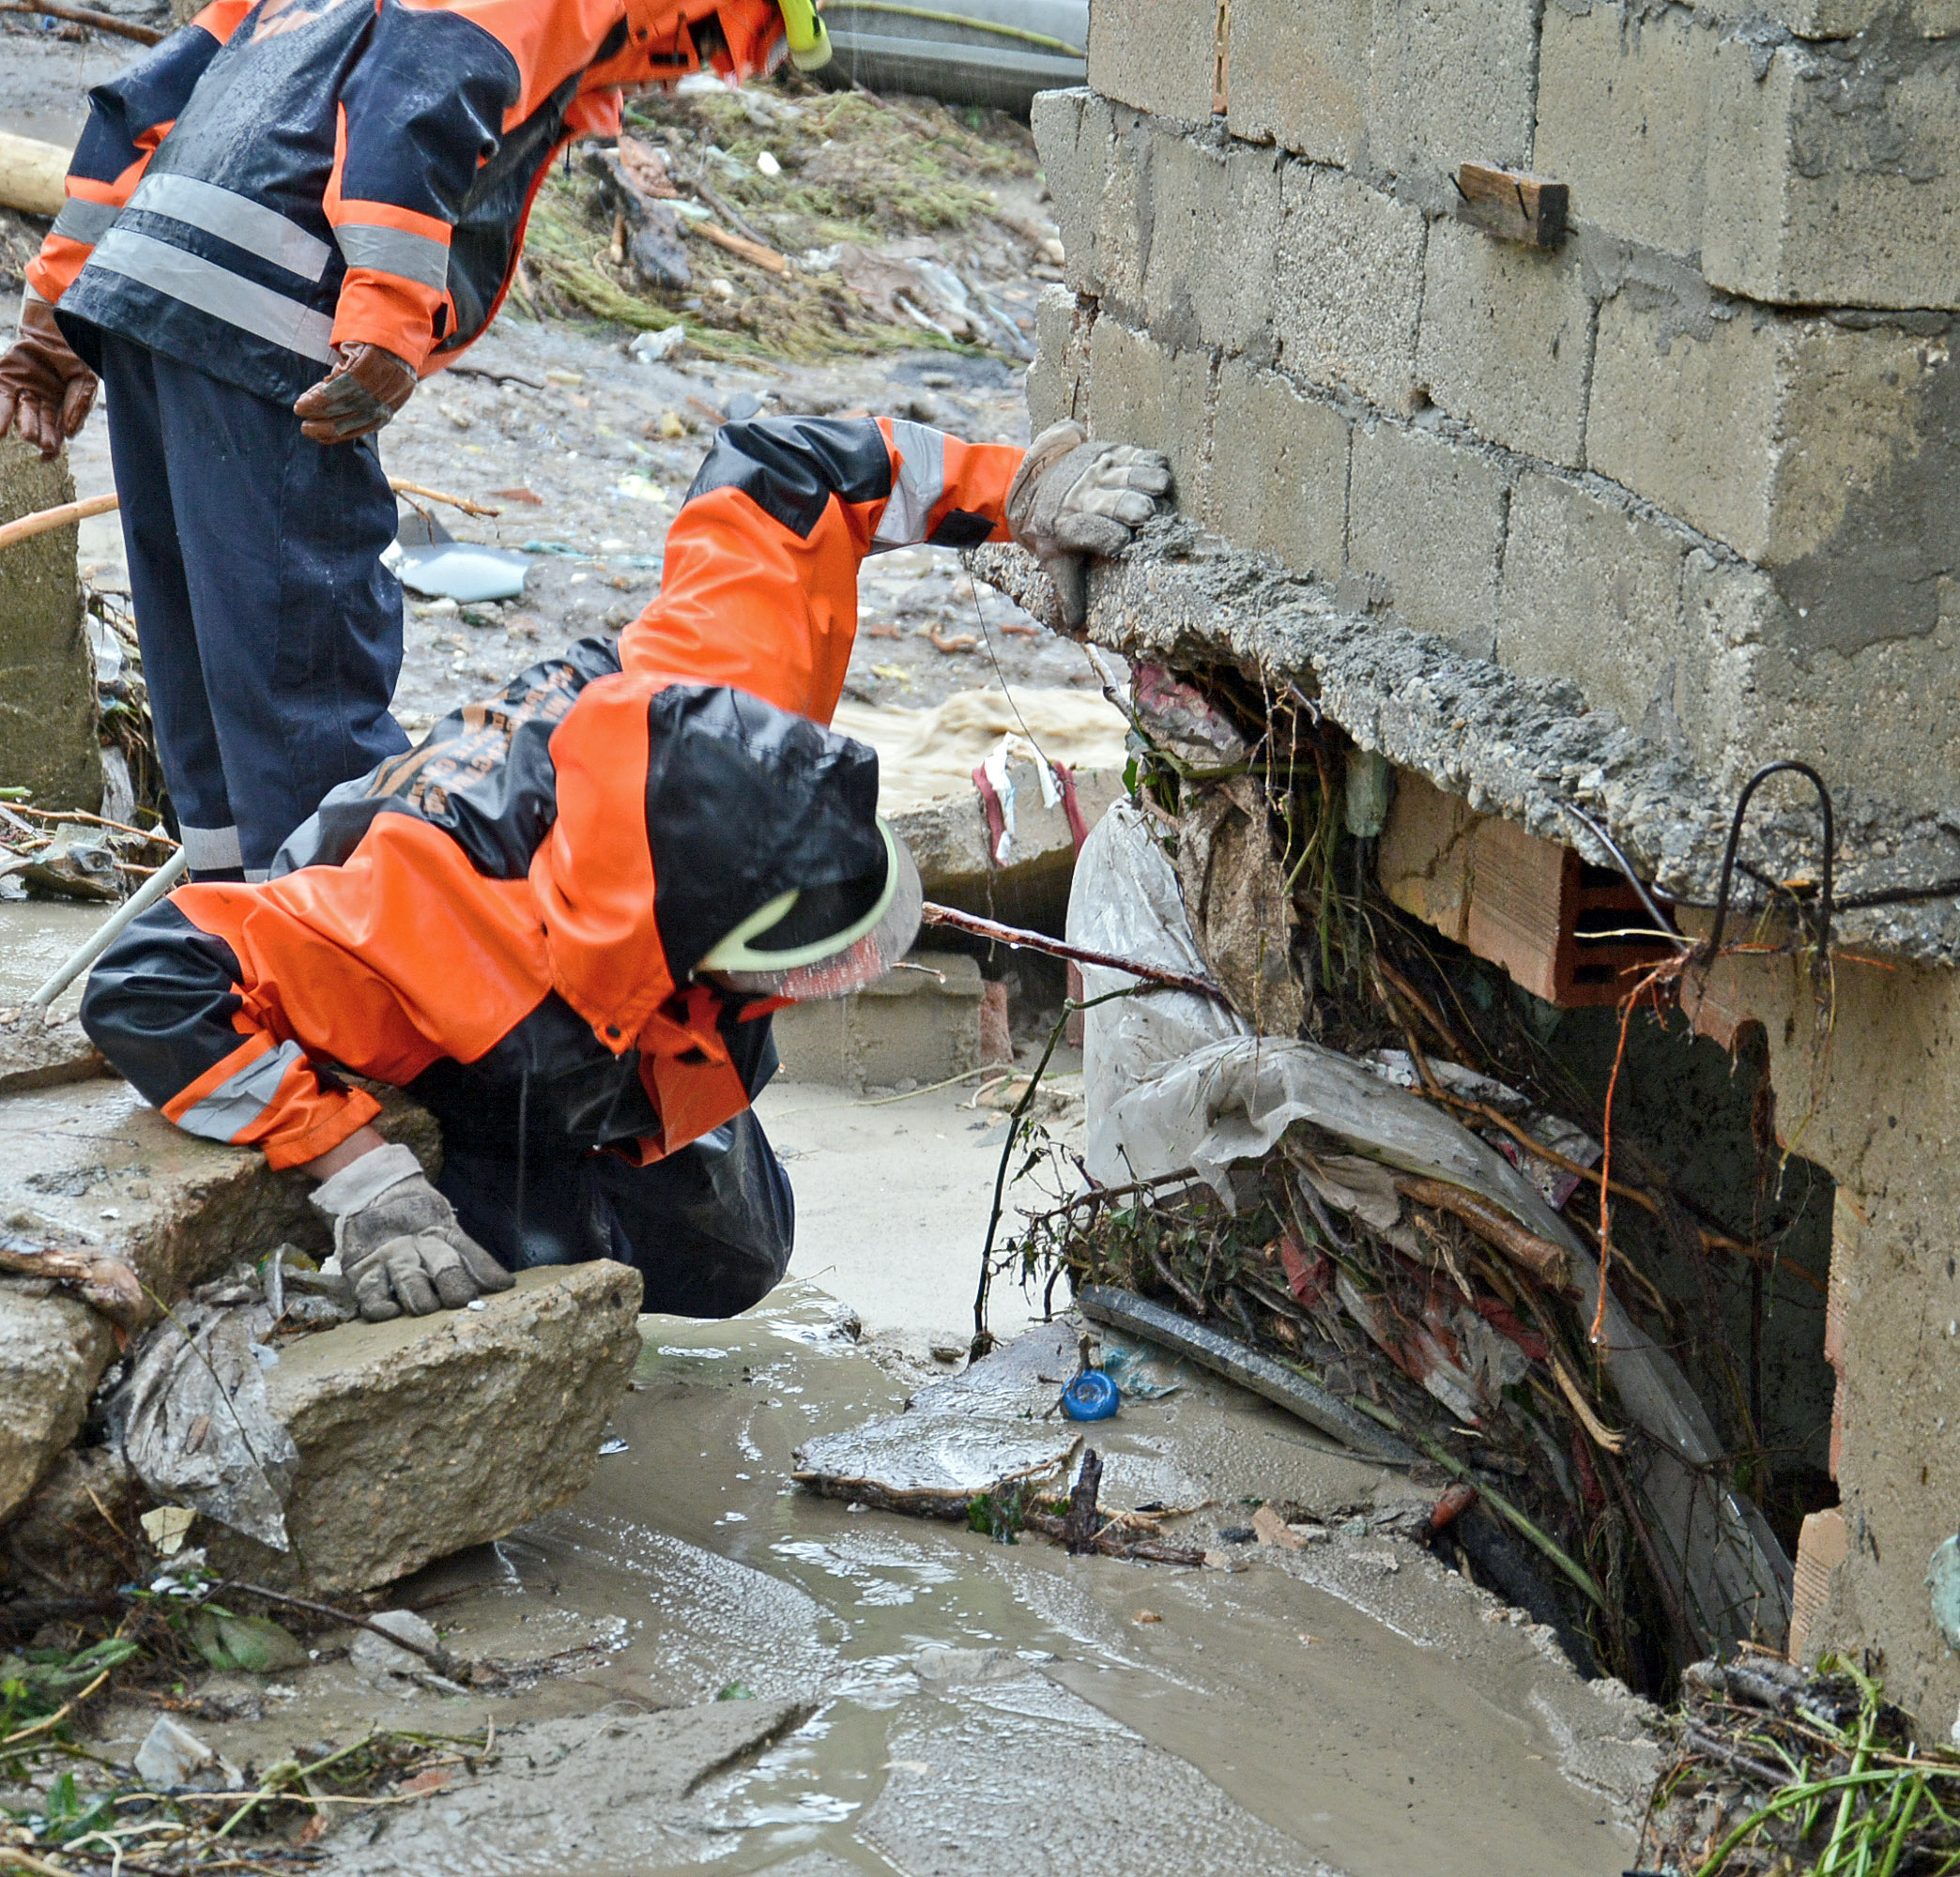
[1019,937]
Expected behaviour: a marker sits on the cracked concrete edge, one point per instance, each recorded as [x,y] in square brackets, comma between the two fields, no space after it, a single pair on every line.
[1528,750]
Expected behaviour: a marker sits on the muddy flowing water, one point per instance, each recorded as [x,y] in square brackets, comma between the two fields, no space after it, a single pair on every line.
[1353,1703]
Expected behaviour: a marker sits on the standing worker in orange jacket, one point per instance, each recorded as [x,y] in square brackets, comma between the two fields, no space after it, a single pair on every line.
[276,223]
[562,922]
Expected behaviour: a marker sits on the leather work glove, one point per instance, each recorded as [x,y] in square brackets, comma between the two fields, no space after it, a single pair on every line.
[398,1241]
[367,386]
[45,391]
[1071,497]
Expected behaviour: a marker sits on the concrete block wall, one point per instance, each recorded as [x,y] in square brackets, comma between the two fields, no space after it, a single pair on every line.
[1521,451]
[1701,460]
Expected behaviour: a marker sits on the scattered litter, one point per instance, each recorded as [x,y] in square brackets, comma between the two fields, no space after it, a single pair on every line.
[172,1758]
[1091,1396]
[612,1444]
[375,1656]
[429,560]
[650,348]
[166,1527]
[1270,1528]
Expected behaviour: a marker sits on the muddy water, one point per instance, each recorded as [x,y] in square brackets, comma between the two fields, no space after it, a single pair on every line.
[1352,1707]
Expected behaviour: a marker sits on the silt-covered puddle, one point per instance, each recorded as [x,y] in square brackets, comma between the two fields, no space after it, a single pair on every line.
[1354,1706]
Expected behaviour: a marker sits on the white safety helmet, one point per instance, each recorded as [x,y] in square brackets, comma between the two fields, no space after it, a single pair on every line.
[816,943]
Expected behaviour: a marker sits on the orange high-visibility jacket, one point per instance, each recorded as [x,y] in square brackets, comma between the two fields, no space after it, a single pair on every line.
[278,179]
[528,891]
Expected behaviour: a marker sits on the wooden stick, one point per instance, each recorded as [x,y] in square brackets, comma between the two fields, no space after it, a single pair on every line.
[30,526]
[752,251]
[1546,1262]
[930,914]
[82,16]
[106,1282]
[27,527]
[404,488]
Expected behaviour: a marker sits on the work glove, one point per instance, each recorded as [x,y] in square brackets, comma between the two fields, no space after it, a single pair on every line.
[45,391]
[1071,497]
[367,386]
[398,1241]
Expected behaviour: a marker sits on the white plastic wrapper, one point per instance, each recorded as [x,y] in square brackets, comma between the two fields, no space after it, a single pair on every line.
[1172,1079]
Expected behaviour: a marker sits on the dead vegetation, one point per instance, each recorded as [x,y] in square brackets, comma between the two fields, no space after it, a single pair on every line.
[1436,1315]
[787,222]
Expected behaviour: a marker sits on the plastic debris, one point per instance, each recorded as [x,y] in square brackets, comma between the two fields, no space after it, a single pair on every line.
[649,348]
[377,1655]
[1091,1396]
[172,1757]
[166,1527]
[254,1645]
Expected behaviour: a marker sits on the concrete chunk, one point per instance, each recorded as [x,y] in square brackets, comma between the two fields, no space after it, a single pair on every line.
[1425,530]
[53,1353]
[1071,136]
[1505,337]
[427,1434]
[1299,76]
[1622,119]
[911,1026]
[47,682]
[1348,285]
[1280,470]
[1156,56]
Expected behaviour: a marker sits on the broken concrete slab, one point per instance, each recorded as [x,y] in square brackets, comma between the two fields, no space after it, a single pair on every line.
[948,838]
[48,741]
[959,1437]
[53,1353]
[95,1161]
[427,1434]
[1526,748]
[586,1794]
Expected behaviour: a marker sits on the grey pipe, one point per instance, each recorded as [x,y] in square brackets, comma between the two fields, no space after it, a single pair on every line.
[1236,1361]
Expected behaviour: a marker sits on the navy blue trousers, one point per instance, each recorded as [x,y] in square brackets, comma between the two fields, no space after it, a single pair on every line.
[271,633]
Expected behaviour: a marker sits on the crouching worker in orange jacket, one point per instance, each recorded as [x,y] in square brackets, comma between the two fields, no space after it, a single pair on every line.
[562,921]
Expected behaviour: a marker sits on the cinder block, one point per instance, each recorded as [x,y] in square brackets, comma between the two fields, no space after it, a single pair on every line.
[1071,137]
[1505,340]
[1832,462]
[1141,391]
[1348,284]
[1058,380]
[1841,18]
[1126,216]
[1213,223]
[1299,76]
[1156,56]
[1592,592]
[1426,521]
[1450,81]
[908,1026]
[1278,470]
[1840,180]
[1622,118]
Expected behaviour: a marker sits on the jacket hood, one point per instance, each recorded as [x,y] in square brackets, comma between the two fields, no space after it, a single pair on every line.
[682,811]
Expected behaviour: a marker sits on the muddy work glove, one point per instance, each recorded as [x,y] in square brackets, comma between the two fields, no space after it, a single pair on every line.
[45,391]
[398,1241]
[367,386]
[1071,497]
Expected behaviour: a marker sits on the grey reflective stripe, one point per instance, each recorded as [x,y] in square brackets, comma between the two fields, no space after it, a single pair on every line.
[208,849]
[217,291]
[235,219]
[86,221]
[241,1098]
[921,481]
[394,251]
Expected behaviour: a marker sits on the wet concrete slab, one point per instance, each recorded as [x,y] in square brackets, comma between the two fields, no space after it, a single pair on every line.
[38,1048]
